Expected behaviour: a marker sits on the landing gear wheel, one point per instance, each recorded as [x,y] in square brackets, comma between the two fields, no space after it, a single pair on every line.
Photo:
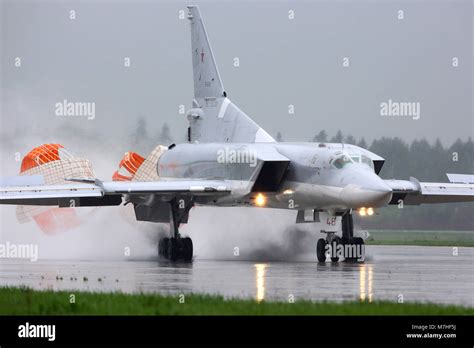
[163,247]
[321,250]
[335,242]
[173,249]
[354,242]
[187,248]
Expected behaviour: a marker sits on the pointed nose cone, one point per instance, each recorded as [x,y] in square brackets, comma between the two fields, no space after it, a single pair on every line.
[366,189]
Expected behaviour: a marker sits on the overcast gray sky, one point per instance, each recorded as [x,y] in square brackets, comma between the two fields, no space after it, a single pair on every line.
[282,61]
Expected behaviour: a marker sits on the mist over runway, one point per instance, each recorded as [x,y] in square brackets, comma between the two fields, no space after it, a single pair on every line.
[410,273]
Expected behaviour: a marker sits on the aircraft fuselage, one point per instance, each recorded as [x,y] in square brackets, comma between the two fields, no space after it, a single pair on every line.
[320,176]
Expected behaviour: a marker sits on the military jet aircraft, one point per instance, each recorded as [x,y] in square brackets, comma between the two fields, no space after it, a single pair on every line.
[231,161]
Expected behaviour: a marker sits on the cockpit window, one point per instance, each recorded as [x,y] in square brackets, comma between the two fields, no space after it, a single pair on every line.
[355,158]
[368,161]
[341,160]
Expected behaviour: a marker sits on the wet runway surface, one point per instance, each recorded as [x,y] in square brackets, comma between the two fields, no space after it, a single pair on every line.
[423,274]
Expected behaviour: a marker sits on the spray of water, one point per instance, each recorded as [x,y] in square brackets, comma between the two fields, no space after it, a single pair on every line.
[109,233]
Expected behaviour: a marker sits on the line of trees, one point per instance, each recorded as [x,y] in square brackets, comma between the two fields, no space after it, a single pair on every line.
[143,140]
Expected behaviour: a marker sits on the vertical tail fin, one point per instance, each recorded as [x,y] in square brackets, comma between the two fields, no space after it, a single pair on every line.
[207,81]
[214,117]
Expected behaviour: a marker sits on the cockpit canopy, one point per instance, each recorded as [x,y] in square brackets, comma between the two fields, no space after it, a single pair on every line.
[342,158]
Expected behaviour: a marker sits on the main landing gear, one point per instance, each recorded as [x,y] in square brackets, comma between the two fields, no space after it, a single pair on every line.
[177,247]
[352,254]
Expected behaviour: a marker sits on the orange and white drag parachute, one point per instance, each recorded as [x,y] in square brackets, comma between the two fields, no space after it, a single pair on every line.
[54,164]
[128,167]
[134,167]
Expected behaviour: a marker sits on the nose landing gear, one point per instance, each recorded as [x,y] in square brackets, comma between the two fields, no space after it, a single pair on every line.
[352,247]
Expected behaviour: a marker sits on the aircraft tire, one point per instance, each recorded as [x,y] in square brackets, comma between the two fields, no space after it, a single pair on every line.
[337,240]
[187,249]
[355,241]
[321,250]
[173,249]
